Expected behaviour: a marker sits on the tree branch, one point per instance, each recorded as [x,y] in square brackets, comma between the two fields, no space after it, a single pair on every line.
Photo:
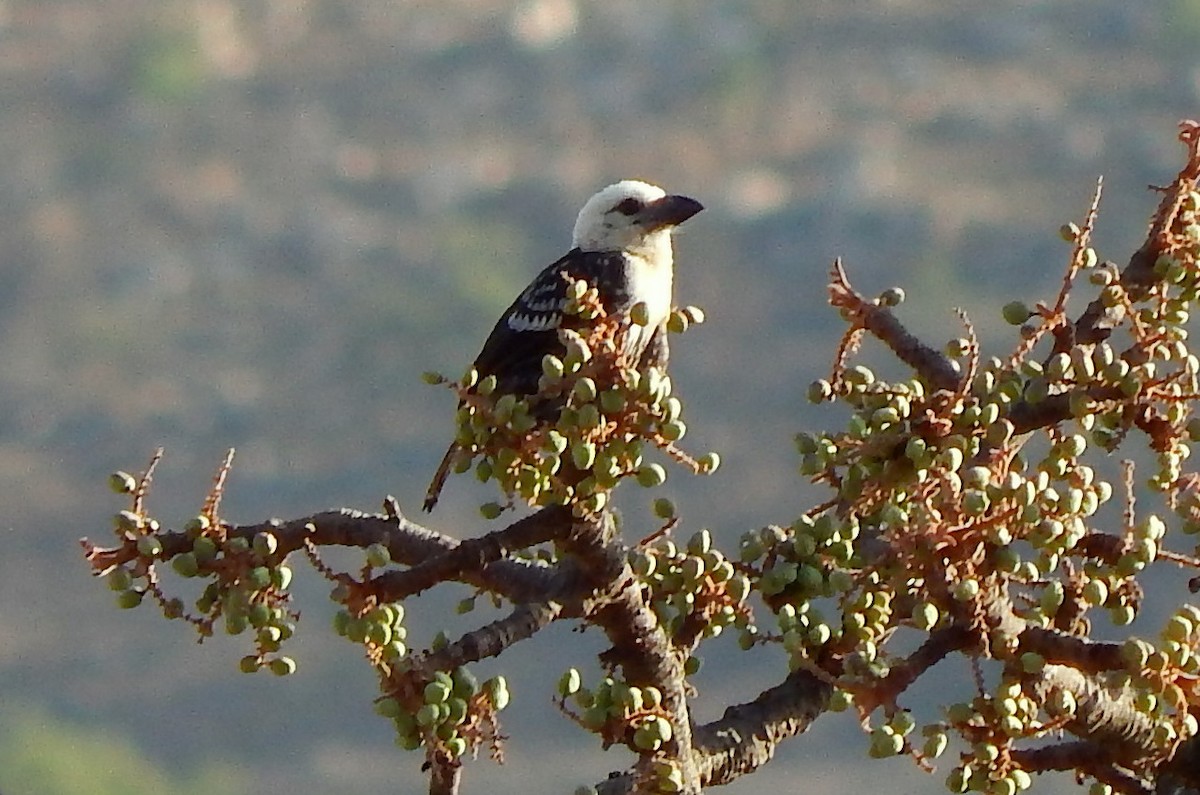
[746,736]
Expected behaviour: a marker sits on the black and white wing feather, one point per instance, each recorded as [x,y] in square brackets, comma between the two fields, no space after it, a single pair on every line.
[528,329]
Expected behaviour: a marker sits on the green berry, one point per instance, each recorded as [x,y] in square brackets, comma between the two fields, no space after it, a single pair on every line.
[283,666]
[197,525]
[644,739]
[457,714]
[925,616]
[497,689]
[185,565]
[584,390]
[236,623]
[651,475]
[122,483]
[885,743]
[388,707]
[583,455]
[378,556]
[569,683]
[120,579]
[966,590]
[464,683]
[127,600]
[436,692]
[612,401]
[820,391]
[639,314]
[1135,654]
[258,614]
[700,542]
[664,508]
[149,546]
[204,548]
[1069,232]
[258,578]
[674,430]
[265,544]
[281,577]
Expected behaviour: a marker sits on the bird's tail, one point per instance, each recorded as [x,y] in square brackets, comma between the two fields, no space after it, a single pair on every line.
[439,478]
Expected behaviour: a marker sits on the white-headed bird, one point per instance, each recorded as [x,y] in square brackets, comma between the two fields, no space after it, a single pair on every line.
[621,246]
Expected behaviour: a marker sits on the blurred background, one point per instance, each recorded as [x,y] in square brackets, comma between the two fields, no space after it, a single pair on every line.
[254,224]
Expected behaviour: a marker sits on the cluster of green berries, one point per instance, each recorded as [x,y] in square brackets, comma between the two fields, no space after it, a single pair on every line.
[694,583]
[625,713]
[249,591]
[1045,503]
[800,562]
[1161,676]
[991,722]
[131,581]
[891,738]
[1181,641]
[605,409]
[981,777]
[378,627]
[806,563]
[995,720]
[248,588]
[1161,370]
[380,630]
[919,483]
[443,711]
[915,464]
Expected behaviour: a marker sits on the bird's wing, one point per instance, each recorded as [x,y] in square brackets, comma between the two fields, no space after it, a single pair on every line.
[528,329]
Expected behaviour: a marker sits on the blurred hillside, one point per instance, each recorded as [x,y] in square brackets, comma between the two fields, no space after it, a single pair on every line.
[254,224]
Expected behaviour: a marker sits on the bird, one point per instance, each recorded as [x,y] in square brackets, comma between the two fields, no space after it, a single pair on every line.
[621,246]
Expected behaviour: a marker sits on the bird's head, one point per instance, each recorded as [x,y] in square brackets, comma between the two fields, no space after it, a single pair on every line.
[631,216]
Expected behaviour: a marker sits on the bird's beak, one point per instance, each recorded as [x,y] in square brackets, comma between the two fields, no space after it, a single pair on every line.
[669,211]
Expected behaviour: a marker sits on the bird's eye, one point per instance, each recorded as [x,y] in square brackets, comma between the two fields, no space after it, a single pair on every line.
[629,206]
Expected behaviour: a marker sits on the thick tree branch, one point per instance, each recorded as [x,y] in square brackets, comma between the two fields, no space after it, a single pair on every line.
[746,737]
[474,555]
[492,639]
[1105,715]
[640,645]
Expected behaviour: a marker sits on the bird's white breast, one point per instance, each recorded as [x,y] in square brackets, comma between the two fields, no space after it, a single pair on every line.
[650,282]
